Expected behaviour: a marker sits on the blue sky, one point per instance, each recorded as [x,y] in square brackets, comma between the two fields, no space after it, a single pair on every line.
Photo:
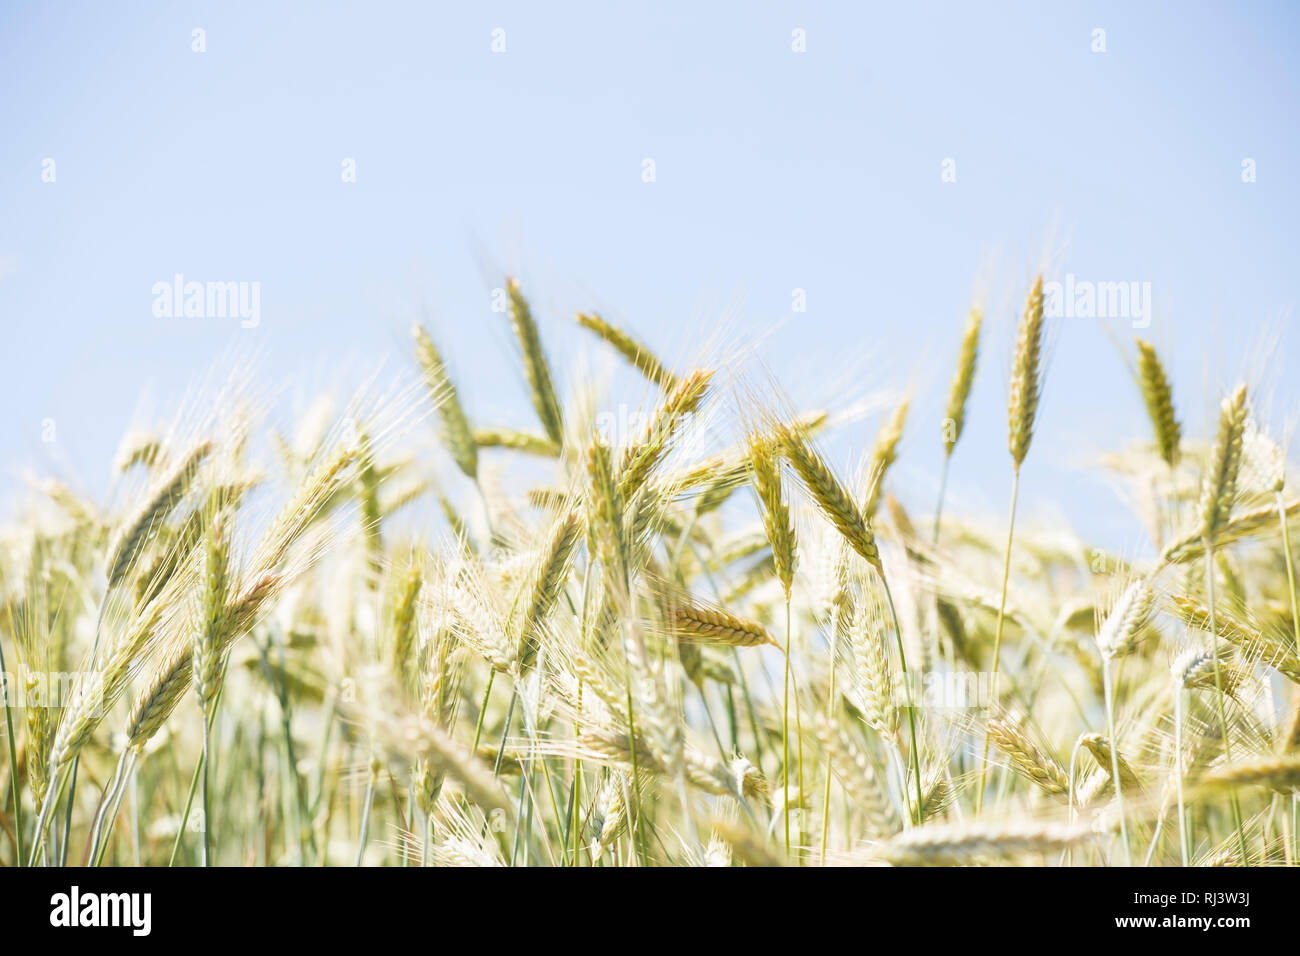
[775,171]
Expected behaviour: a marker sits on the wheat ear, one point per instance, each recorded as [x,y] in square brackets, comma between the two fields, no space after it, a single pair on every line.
[404,623]
[1026,376]
[962,844]
[1026,758]
[455,425]
[766,473]
[1159,400]
[883,456]
[1278,773]
[141,529]
[642,455]
[858,777]
[635,352]
[1258,645]
[516,441]
[695,623]
[538,370]
[549,583]
[1219,489]
[831,498]
[958,393]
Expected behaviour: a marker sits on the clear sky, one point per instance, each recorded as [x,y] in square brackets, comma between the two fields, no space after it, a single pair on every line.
[775,170]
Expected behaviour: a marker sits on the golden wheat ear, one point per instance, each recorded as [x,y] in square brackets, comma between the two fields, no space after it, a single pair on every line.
[831,497]
[1026,376]
[1219,488]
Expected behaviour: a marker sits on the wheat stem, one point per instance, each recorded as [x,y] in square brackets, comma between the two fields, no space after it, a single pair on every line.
[1109,694]
[1179,706]
[13,754]
[366,804]
[785,737]
[830,718]
[1210,574]
[943,488]
[997,634]
[911,708]
[207,793]
[1290,571]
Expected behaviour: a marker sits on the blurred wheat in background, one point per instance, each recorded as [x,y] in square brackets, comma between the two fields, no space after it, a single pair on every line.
[687,641]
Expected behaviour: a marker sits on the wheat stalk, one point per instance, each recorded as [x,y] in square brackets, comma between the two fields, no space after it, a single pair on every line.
[1022,407]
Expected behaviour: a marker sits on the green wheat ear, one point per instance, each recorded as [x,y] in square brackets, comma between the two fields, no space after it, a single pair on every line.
[963,379]
[883,456]
[637,354]
[1159,400]
[456,431]
[766,473]
[208,637]
[538,370]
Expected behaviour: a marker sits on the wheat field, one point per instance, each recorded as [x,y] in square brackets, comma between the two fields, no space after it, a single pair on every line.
[687,639]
